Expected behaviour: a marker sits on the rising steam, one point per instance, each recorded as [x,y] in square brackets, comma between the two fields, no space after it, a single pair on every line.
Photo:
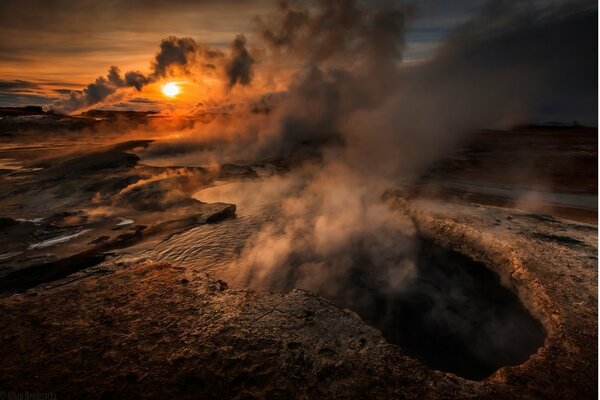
[374,121]
[176,57]
[378,124]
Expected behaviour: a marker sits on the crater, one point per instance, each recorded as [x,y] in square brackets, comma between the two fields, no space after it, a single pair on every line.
[455,316]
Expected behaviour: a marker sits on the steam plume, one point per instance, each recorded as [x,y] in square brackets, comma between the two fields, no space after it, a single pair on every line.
[103,87]
[239,68]
[378,124]
[176,56]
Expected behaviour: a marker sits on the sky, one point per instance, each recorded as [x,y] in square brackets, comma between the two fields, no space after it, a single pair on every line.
[49,47]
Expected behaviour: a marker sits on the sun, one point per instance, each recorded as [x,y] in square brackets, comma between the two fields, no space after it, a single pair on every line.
[170,89]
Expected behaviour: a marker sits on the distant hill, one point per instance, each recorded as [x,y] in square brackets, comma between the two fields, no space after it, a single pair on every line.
[113,114]
[22,111]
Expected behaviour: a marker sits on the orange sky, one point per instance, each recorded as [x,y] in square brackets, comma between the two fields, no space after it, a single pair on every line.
[50,47]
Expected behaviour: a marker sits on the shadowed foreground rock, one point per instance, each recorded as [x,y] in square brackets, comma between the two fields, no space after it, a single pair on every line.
[552,265]
[153,330]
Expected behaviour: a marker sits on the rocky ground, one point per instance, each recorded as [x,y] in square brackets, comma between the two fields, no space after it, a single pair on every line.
[66,213]
[542,169]
[155,330]
[80,323]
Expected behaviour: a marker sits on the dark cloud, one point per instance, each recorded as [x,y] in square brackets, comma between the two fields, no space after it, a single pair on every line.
[21,92]
[99,90]
[176,56]
[377,124]
[239,67]
[138,15]
[77,40]
[351,44]
[141,100]
[348,53]
[336,31]
[18,99]
[175,52]
[545,59]
[136,80]
[187,56]
[282,32]
[17,85]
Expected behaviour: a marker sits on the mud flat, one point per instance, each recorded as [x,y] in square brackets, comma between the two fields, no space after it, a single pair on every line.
[78,207]
[152,330]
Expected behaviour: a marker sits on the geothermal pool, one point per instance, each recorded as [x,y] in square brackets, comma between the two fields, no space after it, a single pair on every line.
[452,314]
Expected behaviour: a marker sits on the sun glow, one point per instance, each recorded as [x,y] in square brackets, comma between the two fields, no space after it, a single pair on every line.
[171,89]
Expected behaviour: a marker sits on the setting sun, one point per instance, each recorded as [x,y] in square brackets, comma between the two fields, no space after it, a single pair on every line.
[299,199]
[170,89]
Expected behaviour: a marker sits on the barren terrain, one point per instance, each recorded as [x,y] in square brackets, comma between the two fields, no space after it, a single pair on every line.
[119,279]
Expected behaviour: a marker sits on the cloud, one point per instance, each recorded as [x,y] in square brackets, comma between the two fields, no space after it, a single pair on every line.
[19,92]
[377,123]
[175,52]
[50,39]
[239,67]
[335,31]
[176,57]
[372,121]
[136,79]
[44,16]
[17,85]
[282,31]
[17,99]
[544,56]
[99,90]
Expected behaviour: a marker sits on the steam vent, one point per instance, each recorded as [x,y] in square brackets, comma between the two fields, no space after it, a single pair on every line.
[299,199]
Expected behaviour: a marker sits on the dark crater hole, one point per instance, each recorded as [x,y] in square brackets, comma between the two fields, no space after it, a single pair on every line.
[455,316]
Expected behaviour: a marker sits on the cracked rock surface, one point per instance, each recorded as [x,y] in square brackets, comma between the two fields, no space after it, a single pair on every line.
[154,330]
[552,265]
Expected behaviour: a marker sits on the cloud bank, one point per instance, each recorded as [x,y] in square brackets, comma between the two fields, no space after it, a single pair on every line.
[377,124]
[177,57]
